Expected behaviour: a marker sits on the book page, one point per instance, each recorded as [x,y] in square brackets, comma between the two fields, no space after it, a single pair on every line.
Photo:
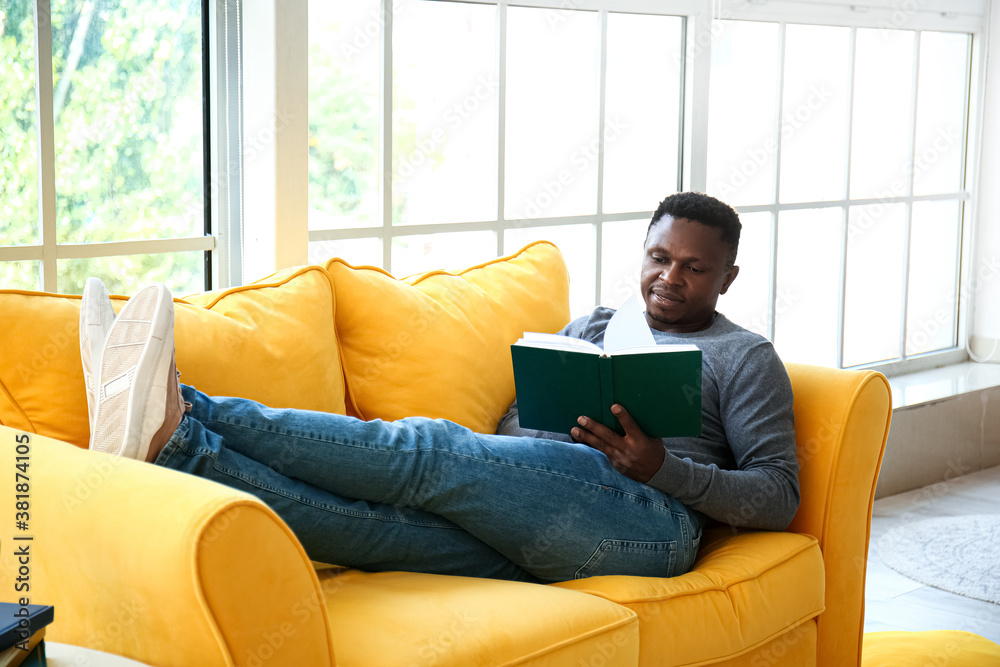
[666,347]
[628,327]
[557,342]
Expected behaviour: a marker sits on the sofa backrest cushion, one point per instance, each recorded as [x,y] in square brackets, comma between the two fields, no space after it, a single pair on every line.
[273,341]
[438,344]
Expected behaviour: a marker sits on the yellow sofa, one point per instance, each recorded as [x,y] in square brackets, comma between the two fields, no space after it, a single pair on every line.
[172,570]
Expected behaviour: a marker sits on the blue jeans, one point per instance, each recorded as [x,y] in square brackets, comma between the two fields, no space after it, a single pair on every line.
[432,496]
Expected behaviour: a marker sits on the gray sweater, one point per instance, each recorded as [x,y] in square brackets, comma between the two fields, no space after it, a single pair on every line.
[742,469]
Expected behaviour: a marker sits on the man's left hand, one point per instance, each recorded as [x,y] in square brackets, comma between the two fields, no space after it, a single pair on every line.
[635,454]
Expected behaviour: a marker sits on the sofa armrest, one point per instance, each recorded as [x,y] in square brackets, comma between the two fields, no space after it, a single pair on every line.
[155,565]
[841,422]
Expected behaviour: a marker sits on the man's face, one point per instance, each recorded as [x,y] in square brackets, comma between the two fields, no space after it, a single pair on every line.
[684,270]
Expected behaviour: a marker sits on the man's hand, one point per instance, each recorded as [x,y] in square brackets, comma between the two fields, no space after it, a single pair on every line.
[635,455]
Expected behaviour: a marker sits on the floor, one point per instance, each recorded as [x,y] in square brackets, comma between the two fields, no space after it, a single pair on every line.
[895,602]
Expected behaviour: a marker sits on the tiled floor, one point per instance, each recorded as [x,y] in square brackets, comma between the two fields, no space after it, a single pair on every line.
[895,602]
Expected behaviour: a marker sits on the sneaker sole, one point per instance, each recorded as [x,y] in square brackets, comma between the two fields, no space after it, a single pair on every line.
[96,318]
[135,362]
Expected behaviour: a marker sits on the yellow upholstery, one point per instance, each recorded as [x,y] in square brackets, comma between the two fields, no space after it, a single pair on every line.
[438,345]
[922,649]
[158,566]
[273,341]
[422,619]
[755,589]
[172,570]
[744,591]
[841,424]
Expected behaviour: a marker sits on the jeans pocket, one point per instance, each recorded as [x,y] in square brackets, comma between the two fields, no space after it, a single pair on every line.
[626,557]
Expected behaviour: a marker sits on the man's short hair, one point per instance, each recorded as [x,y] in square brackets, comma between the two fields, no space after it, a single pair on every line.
[707,210]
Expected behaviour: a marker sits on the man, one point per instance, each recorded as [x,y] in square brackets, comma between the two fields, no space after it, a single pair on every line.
[431,496]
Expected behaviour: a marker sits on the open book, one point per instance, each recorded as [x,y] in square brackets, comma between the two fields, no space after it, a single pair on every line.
[559,379]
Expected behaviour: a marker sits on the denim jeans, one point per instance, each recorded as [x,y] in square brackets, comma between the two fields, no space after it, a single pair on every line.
[432,496]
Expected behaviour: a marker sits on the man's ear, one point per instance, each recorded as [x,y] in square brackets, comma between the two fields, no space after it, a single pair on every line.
[730,277]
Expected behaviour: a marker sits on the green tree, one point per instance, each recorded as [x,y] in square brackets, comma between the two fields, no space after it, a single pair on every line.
[128,140]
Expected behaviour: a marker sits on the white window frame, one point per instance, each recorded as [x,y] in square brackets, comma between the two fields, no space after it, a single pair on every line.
[929,15]
[967,16]
[49,251]
[694,80]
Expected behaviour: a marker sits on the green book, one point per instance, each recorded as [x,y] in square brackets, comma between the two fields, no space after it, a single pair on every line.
[558,379]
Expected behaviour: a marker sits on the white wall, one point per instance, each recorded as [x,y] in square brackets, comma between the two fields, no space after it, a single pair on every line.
[984,275]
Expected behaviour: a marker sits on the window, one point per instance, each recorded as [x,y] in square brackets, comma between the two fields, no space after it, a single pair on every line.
[103,152]
[845,150]
[448,133]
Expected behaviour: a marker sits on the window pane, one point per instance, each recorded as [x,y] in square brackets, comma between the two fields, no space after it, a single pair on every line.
[621,260]
[814,113]
[745,303]
[21,275]
[932,291]
[451,251]
[874,294]
[806,305]
[359,252]
[18,129]
[343,114]
[883,97]
[128,120]
[182,273]
[576,242]
[552,119]
[444,112]
[741,117]
[642,110]
[941,96]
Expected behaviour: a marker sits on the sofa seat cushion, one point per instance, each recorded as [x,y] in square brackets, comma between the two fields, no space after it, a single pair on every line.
[745,590]
[273,341]
[954,648]
[438,344]
[401,619]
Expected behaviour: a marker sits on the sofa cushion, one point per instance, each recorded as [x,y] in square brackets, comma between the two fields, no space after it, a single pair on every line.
[745,590]
[401,618]
[438,344]
[273,341]
[954,648]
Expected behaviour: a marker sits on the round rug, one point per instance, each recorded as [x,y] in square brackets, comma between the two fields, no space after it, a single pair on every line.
[959,554]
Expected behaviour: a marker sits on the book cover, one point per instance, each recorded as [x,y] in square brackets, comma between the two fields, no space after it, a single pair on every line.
[17,656]
[18,623]
[558,379]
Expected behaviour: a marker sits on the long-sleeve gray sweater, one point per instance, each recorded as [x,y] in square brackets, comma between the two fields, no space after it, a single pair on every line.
[742,469]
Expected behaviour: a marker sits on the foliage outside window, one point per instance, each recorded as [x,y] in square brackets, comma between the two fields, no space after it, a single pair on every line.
[128,123]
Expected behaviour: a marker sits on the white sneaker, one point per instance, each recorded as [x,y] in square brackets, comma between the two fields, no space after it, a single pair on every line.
[96,316]
[135,375]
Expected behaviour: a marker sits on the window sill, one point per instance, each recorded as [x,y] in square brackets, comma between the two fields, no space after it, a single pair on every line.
[942,383]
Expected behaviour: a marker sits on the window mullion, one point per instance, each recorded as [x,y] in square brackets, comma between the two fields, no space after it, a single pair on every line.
[772,301]
[698,56]
[501,122]
[908,215]
[842,297]
[385,131]
[46,144]
[602,87]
